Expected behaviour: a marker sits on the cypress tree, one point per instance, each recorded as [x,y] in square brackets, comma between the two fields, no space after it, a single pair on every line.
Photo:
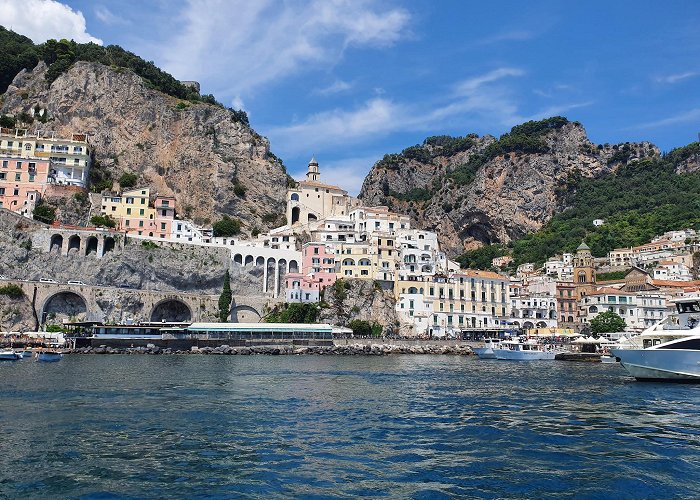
[225,299]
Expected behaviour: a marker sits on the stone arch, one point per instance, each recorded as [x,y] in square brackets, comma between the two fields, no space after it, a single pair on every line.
[74,243]
[364,262]
[171,310]
[570,319]
[91,245]
[541,324]
[248,260]
[593,309]
[294,197]
[64,305]
[270,264]
[238,258]
[312,218]
[260,261]
[528,324]
[108,245]
[296,213]
[348,262]
[293,266]
[412,289]
[56,243]
[242,313]
[552,314]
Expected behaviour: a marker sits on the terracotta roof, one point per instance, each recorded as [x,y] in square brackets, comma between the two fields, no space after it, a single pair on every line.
[483,274]
[676,284]
[321,185]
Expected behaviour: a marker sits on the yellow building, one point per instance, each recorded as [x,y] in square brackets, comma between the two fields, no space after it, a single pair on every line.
[354,261]
[133,213]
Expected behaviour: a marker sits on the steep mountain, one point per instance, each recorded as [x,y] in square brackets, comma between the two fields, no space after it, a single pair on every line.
[479,190]
[141,120]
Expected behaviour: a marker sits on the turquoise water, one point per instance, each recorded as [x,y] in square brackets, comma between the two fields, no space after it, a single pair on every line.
[342,427]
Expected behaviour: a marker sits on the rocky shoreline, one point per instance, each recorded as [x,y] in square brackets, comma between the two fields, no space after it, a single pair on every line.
[337,350]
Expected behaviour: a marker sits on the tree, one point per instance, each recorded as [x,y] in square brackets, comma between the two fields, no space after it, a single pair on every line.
[44,213]
[607,322]
[128,180]
[227,226]
[103,221]
[225,299]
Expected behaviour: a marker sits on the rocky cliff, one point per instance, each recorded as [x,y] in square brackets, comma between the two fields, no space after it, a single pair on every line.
[203,154]
[356,299]
[475,190]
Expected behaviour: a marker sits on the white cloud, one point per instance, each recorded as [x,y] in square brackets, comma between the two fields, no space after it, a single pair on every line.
[241,45]
[376,117]
[237,103]
[334,88]
[108,17]
[692,115]
[41,20]
[474,100]
[671,79]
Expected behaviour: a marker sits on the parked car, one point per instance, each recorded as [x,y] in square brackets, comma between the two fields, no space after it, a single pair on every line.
[46,280]
[75,282]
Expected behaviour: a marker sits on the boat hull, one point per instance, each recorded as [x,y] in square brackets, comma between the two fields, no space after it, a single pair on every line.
[660,364]
[484,352]
[507,354]
[9,356]
[49,357]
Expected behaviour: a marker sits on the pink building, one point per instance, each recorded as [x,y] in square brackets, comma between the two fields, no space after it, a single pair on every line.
[22,183]
[317,272]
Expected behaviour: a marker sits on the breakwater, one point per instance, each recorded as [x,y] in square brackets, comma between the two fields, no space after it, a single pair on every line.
[276,350]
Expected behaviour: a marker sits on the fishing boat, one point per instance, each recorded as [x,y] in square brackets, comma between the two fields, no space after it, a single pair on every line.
[49,356]
[486,352]
[520,351]
[668,350]
[9,355]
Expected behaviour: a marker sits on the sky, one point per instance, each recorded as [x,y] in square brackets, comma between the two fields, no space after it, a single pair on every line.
[351,80]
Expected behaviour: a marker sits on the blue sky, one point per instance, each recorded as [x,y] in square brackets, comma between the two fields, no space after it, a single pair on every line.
[352,80]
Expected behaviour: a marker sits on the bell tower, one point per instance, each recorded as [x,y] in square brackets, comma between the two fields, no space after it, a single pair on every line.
[584,277]
[313,173]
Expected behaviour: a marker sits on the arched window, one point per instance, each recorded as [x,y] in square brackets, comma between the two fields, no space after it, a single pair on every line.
[294,197]
[581,277]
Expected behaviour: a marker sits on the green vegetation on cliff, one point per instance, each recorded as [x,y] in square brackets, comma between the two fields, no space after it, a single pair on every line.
[638,201]
[293,313]
[18,52]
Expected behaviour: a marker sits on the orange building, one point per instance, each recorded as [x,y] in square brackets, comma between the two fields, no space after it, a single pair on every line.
[23,182]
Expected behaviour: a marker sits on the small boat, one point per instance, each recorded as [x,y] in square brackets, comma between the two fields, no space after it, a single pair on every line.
[486,352]
[9,355]
[606,358]
[668,350]
[27,353]
[521,351]
[49,356]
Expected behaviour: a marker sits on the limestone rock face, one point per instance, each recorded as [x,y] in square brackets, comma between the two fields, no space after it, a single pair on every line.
[193,151]
[358,299]
[510,195]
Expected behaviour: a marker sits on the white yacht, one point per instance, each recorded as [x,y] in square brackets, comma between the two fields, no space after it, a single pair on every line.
[528,350]
[486,352]
[669,350]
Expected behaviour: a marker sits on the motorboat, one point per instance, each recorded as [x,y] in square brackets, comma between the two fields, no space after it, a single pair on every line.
[9,355]
[486,352]
[49,356]
[668,350]
[523,350]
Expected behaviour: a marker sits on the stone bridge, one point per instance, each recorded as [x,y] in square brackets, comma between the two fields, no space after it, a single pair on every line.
[73,240]
[58,302]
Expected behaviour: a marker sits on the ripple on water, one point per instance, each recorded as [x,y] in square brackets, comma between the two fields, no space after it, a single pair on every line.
[320,427]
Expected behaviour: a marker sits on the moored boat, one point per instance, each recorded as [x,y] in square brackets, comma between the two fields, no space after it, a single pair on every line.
[516,350]
[49,356]
[9,355]
[669,350]
[486,352]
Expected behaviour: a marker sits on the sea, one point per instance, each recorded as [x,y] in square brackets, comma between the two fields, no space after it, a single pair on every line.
[423,427]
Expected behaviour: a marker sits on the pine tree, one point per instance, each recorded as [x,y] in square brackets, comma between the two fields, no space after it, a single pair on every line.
[225,299]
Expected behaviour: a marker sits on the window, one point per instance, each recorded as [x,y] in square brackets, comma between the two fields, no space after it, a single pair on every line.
[3,176]
[28,147]
[16,192]
[162,226]
[18,176]
[141,212]
[4,163]
[19,165]
[126,222]
[128,211]
[140,224]
[2,191]
[31,177]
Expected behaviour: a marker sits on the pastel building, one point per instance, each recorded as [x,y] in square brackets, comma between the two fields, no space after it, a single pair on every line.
[22,183]
[134,215]
[69,158]
[318,270]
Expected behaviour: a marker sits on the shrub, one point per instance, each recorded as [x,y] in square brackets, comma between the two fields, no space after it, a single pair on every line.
[103,221]
[44,213]
[81,198]
[239,189]
[128,180]
[13,291]
[149,245]
[227,226]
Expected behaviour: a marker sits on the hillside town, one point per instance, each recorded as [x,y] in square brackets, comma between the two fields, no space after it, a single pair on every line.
[330,236]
